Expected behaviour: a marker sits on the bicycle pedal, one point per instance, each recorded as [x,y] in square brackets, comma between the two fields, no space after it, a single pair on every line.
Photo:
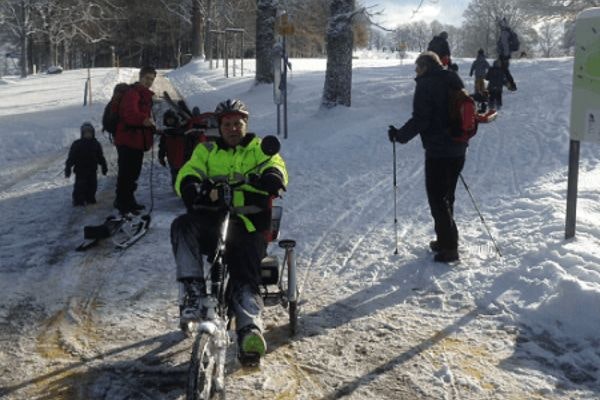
[189,328]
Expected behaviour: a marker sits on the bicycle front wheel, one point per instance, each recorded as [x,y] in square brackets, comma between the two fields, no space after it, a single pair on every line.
[203,368]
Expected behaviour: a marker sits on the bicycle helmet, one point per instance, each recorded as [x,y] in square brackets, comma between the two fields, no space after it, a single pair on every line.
[230,106]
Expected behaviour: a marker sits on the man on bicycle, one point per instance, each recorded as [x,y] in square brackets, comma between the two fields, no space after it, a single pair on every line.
[235,157]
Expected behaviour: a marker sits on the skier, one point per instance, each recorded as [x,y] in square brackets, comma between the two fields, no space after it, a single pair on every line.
[496,78]
[194,234]
[444,157]
[439,45]
[133,137]
[480,66]
[84,157]
[504,51]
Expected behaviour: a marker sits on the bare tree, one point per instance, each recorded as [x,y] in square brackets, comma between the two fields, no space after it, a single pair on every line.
[556,8]
[16,18]
[550,33]
[481,28]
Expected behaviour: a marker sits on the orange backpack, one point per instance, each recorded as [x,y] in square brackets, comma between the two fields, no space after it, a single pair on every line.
[462,115]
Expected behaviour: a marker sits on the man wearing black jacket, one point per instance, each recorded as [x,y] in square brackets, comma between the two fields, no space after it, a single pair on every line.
[444,156]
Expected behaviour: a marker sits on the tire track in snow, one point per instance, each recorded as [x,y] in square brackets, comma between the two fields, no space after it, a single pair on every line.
[327,245]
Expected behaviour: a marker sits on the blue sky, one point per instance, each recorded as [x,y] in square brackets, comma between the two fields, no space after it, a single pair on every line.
[400,11]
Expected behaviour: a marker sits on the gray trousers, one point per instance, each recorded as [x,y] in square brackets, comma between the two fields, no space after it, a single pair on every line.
[195,235]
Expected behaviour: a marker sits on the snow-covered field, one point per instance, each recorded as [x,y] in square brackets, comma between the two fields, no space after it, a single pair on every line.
[374,325]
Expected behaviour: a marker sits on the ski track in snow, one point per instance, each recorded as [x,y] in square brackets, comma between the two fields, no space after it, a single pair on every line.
[103,324]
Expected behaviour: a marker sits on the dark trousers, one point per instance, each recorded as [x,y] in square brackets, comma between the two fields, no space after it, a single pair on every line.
[194,235]
[495,98]
[130,166]
[84,190]
[441,177]
[505,61]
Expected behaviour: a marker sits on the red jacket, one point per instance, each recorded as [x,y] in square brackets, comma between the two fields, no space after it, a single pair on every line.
[135,107]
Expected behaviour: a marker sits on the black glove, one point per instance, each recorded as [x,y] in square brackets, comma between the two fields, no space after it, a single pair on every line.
[253,179]
[194,192]
[104,170]
[393,133]
[67,172]
[189,192]
[270,182]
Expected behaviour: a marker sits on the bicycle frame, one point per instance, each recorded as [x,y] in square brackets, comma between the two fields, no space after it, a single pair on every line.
[216,321]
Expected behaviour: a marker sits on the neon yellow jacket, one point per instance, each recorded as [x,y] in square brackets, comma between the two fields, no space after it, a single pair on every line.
[217,161]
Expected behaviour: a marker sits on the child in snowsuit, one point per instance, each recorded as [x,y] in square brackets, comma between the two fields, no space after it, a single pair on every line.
[84,156]
[480,66]
[172,144]
[196,131]
[496,79]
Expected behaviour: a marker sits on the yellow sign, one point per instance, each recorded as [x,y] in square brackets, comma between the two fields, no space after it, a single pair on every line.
[284,25]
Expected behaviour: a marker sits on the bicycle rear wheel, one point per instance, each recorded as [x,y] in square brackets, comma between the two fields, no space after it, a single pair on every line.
[202,371]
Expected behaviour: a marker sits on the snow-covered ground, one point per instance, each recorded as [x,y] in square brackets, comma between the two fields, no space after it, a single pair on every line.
[374,325]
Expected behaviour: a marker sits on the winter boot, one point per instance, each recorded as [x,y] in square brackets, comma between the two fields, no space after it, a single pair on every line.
[446,256]
[251,346]
[191,309]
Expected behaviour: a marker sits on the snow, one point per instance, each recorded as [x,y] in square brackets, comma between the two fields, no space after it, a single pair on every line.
[103,324]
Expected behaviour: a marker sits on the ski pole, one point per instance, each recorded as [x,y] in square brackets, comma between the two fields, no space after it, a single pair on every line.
[480,216]
[395,201]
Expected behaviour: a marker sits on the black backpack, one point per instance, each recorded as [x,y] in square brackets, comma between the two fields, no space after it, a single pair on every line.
[513,41]
[110,119]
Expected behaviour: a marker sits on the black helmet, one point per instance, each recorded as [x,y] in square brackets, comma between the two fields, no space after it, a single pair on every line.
[87,126]
[480,51]
[170,114]
[443,35]
[230,106]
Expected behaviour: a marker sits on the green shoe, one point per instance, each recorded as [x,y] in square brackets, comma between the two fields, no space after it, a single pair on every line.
[252,347]
[253,342]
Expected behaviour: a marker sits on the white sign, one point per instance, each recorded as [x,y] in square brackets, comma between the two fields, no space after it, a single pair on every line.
[585,104]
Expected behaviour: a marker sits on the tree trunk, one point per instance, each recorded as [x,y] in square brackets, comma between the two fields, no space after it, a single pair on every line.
[24,17]
[338,77]
[197,42]
[24,55]
[207,27]
[265,39]
[66,55]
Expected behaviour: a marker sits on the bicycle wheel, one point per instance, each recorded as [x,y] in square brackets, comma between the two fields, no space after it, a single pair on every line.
[202,370]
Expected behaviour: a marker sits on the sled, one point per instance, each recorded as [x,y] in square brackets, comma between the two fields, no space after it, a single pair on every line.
[486,117]
[124,230]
